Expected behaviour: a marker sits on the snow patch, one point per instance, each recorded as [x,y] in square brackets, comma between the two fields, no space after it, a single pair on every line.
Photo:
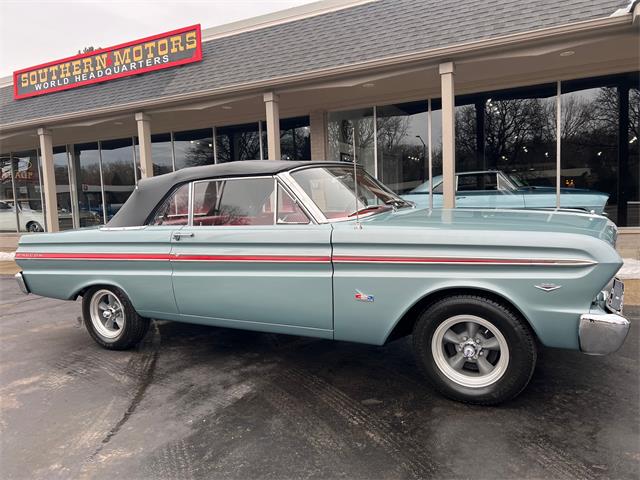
[7,256]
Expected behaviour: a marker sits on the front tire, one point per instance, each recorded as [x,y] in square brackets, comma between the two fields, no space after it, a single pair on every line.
[474,350]
[111,319]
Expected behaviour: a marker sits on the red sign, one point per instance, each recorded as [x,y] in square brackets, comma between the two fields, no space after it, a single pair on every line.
[166,50]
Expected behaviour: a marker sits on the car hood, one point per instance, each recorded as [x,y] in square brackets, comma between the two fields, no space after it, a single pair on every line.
[563,191]
[496,219]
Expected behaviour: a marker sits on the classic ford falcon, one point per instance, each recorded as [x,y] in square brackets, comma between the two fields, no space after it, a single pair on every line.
[322,249]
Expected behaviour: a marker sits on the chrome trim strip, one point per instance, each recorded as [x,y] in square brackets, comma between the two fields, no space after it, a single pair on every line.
[298,192]
[461,261]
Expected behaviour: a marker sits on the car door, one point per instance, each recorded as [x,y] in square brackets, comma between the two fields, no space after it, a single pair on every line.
[481,190]
[246,262]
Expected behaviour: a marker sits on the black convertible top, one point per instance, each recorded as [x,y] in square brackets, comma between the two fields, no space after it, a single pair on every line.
[150,191]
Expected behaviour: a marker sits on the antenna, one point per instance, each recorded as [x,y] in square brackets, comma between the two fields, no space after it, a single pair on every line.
[355,176]
[430,156]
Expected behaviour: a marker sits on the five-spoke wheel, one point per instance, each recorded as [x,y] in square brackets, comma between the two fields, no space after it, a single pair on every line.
[111,319]
[107,314]
[474,349]
[470,350]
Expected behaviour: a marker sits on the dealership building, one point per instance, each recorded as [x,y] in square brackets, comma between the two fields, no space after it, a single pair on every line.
[546,91]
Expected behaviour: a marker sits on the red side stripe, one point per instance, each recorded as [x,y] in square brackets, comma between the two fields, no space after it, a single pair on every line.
[248,258]
[91,256]
[166,256]
[514,261]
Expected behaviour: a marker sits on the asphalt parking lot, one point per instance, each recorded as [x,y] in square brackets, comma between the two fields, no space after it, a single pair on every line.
[206,402]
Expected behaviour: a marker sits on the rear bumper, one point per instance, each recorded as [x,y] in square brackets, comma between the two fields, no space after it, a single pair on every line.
[21,283]
[601,332]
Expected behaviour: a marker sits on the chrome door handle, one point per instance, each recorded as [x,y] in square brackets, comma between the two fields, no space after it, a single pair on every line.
[177,236]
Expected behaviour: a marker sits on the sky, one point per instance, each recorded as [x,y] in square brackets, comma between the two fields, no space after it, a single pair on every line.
[38,31]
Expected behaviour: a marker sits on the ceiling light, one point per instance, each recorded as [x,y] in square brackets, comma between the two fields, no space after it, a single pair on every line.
[567,53]
[368,85]
[227,107]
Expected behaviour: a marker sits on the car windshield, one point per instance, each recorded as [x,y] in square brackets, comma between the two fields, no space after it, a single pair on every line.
[516,180]
[332,189]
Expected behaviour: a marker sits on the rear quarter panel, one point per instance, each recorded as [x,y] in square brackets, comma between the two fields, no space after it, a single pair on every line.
[147,283]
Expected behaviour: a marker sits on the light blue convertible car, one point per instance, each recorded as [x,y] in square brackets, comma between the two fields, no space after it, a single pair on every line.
[497,189]
[303,248]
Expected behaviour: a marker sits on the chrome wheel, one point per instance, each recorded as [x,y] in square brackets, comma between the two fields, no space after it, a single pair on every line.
[107,314]
[34,227]
[470,351]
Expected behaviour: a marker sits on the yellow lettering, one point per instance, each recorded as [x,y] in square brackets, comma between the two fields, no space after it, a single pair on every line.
[64,70]
[150,48]
[163,46]
[122,56]
[52,70]
[101,61]
[33,77]
[24,80]
[137,53]
[176,44]
[87,65]
[192,40]
[76,67]
[42,74]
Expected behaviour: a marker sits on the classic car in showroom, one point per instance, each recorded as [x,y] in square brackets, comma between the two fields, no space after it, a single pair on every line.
[322,249]
[497,189]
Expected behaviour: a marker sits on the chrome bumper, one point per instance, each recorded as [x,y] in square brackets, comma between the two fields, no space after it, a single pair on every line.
[21,283]
[602,333]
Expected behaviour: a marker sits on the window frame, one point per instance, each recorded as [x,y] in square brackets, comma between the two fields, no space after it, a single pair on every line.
[277,182]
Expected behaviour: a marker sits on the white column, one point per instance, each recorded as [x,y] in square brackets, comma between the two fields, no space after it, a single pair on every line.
[318,126]
[273,125]
[448,135]
[144,140]
[48,180]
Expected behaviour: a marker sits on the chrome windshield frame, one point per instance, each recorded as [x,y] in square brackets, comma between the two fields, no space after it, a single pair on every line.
[310,205]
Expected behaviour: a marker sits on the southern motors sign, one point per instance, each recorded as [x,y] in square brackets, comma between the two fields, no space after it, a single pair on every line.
[145,55]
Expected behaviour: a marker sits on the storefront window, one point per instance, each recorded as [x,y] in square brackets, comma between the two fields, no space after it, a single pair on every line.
[238,142]
[193,148]
[402,145]
[8,219]
[633,142]
[86,158]
[353,127]
[63,192]
[590,140]
[28,191]
[295,140]
[117,173]
[512,131]
[161,153]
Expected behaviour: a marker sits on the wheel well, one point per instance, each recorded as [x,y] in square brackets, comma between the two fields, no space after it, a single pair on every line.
[405,326]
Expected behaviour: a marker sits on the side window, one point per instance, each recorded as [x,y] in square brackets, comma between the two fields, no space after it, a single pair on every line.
[245,201]
[175,209]
[477,182]
[437,188]
[288,209]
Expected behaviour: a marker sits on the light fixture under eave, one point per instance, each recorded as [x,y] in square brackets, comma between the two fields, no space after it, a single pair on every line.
[226,107]
[567,53]
[368,85]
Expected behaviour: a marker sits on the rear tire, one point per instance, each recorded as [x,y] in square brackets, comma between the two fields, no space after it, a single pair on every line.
[474,350]
[111,319]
